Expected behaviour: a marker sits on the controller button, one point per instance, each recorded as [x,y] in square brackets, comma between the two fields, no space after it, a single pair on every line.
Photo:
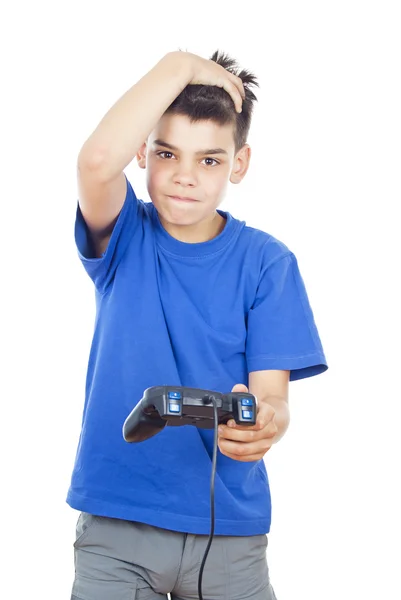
[246,401]
[173,407]
[174,395]
[247,414]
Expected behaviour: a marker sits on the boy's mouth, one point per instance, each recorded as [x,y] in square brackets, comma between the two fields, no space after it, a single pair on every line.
[183,199]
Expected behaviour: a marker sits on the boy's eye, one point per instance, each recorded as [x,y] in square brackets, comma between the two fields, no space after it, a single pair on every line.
[212,159]
[165,152]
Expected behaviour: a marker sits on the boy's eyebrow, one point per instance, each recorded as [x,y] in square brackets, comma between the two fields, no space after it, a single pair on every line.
[209,151]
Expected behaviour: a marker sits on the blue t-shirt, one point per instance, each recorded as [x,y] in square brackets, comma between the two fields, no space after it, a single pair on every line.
[200,315]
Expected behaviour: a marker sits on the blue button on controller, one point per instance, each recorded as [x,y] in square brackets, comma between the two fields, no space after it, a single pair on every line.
[173,407]
[246,402]
[247,414]
[174,395]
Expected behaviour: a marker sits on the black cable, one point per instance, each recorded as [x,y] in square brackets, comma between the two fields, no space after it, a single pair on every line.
[215,417]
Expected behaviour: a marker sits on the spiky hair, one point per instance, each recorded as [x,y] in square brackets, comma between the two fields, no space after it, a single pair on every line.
[209,102]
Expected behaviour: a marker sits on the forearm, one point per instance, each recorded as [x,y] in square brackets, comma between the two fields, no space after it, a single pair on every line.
[282,416]
[127,124]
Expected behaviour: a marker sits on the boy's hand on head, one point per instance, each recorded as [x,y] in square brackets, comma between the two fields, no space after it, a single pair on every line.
[248,443]
[208,72]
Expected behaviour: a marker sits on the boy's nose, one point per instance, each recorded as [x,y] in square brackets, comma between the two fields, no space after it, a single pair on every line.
[185,176]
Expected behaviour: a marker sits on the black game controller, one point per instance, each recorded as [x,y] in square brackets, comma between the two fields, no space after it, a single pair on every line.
[175,406]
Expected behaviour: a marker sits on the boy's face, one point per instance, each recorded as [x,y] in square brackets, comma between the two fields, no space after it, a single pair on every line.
[194,162]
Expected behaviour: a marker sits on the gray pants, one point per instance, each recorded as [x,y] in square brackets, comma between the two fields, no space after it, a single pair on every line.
[124,560]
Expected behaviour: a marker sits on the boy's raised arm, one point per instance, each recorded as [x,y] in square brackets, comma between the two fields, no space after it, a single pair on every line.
[125,127]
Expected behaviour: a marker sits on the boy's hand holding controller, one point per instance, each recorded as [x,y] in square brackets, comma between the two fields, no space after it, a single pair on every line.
[249,443]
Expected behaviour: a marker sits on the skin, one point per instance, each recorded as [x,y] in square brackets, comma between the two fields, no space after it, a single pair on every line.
[185,171]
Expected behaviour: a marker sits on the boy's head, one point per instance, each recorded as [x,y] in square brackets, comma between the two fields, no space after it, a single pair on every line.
[196,148]
[204,102]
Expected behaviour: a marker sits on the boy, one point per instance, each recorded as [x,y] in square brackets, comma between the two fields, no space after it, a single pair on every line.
[185,295]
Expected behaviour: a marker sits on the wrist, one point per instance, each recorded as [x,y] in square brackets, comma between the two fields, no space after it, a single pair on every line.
[181,64]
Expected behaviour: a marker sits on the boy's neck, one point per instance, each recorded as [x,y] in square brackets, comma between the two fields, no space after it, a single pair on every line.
[195,234]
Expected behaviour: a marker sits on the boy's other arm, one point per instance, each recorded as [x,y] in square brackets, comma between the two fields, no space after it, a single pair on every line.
[125,127]
[273,416]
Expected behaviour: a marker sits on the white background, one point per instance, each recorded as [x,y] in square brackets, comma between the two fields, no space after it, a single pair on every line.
[324,178]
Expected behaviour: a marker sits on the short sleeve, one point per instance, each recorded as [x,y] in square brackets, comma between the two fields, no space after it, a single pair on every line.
[101,270]
[281,330]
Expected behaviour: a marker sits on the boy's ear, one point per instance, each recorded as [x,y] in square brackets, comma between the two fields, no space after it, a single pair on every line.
[241,164]
[141,156]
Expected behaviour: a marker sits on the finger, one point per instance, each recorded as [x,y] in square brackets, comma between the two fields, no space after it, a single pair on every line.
[238,82]
[239,449]
[247,434]
[239,435]
[265,415]
[234,92]
[239,387]
[260,424]
[253,458]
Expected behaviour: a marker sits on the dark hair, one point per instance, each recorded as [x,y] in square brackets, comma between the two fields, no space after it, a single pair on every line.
[209,102]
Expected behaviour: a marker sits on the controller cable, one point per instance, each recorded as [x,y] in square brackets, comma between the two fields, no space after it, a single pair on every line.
[207,400]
